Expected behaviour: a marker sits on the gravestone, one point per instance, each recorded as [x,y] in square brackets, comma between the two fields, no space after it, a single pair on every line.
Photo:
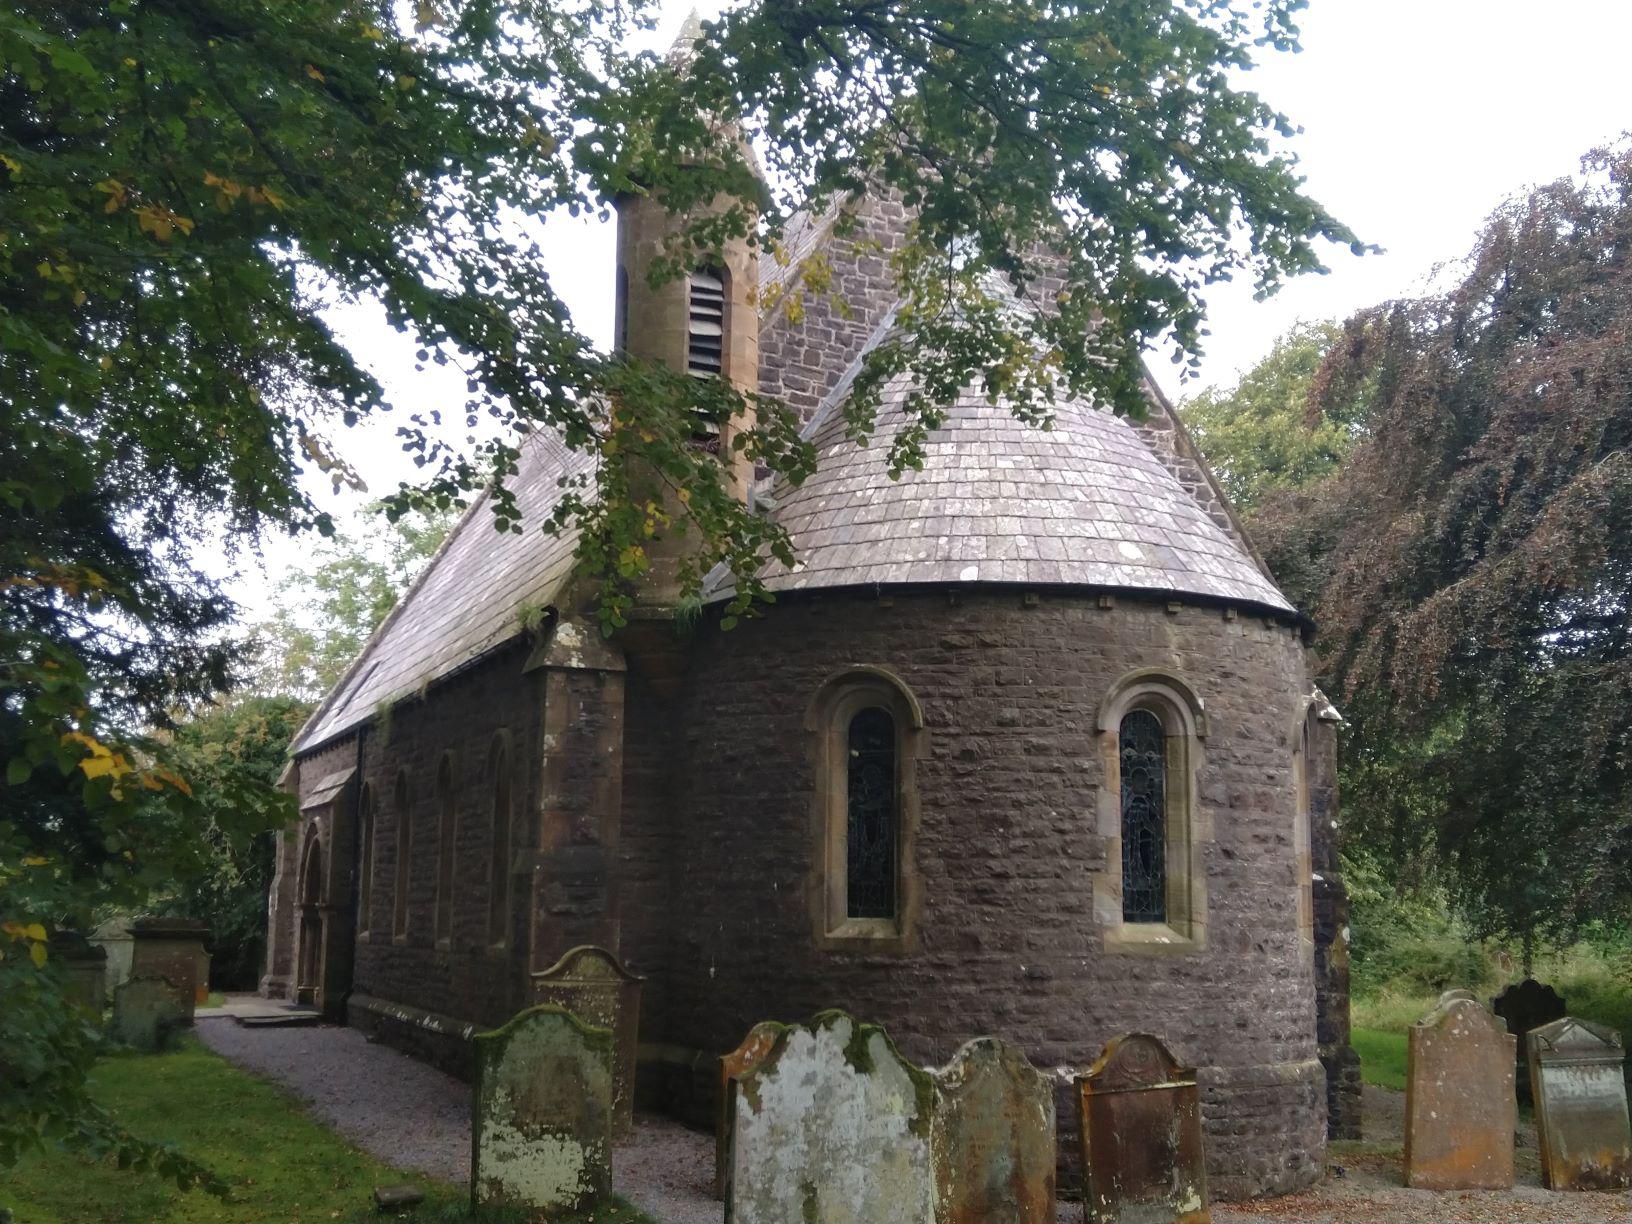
[85,966]
[1458,993]
[734,1065]
[541,1125]
[1142,1154]
[170,948]
[832,1127]
[147,1013]
[1526,1005]
[593,985]
[992,1138]
[1576,1073]
[1460,1111]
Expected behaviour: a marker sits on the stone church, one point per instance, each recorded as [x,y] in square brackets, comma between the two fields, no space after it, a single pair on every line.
[1026,746]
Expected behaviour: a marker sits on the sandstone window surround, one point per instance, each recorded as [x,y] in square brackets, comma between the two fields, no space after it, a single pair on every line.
[498,885]
[446,838]
[867,732]
[405,849]
[365,861]
[1144,704]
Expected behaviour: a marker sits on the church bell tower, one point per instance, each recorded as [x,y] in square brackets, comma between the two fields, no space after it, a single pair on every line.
[704,323]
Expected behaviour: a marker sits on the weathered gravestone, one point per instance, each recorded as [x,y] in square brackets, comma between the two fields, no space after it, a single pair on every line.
[1142,1156]
[592,984]
[85,966]
[733,1066]
[1524,1006]
[832,1127]
[1459,1105]
[170,948]
[541,1126]
[1581,1120]
[992,1138]
[147,1013]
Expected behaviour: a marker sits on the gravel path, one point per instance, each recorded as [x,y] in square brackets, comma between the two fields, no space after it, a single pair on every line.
[416,1117]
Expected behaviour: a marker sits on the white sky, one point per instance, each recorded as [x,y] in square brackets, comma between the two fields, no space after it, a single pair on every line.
[1418,117]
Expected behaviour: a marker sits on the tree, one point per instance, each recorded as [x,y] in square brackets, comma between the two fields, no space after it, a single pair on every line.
[1260,437]
[243,745]
[327,612]
[1477,553]
[185,183]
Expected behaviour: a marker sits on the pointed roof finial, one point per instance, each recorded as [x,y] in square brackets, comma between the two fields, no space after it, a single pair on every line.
[685,43]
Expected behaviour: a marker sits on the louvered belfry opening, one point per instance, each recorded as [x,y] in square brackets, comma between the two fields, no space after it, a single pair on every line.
[705,340]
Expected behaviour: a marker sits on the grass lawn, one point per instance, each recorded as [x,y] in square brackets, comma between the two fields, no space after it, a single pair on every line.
[284,1166]
[1382,1057]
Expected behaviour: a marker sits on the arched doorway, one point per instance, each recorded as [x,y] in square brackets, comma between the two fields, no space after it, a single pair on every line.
[309,970]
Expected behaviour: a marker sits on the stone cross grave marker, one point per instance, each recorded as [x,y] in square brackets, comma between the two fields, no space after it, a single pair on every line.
[1577,1079]
[734,1065]
[147,1012]
[1142,1154]
[1526,1005]
[592,984]
[1459,1105]
[832,1127]
[992,1138]
[541,1123]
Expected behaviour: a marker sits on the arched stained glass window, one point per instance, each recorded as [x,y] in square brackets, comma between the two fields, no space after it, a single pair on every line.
[870,842]
[1144,817]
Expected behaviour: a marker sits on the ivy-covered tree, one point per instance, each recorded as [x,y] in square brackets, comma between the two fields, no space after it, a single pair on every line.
[184,185]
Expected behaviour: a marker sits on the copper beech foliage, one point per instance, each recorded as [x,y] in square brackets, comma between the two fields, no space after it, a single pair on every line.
[1471,563]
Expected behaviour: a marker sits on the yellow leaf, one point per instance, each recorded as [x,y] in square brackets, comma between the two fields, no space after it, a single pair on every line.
[35,930]
[11,163]
[37,954]
[35,860]
[79,297]
[426,16]
[79,737]
[174,779]
[44,268]
[312,72]
[14,929]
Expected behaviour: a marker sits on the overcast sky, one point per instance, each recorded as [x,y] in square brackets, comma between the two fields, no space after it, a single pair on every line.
[1418,117]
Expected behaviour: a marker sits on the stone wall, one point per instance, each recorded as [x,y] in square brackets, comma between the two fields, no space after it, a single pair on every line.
[414,990]
[1006,941]
[801,362]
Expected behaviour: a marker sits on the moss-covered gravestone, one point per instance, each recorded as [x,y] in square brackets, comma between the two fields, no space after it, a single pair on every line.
[832,1127]
[592,983]
[733,1066]
[147,1013]
[541,1127]
[992,1138]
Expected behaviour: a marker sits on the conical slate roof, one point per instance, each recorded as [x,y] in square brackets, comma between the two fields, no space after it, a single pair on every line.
[1086,503]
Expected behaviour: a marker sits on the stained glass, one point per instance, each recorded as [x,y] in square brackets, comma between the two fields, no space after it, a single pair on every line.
[1144,818]
[870,833]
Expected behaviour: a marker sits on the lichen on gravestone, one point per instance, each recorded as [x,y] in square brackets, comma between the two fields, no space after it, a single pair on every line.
[541,1126]
[832,1127]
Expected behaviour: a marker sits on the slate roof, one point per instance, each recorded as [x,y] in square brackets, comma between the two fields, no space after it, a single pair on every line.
[1086,503]
[466,600]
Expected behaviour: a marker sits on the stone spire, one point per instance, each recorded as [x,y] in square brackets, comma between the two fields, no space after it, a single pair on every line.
[684,49]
